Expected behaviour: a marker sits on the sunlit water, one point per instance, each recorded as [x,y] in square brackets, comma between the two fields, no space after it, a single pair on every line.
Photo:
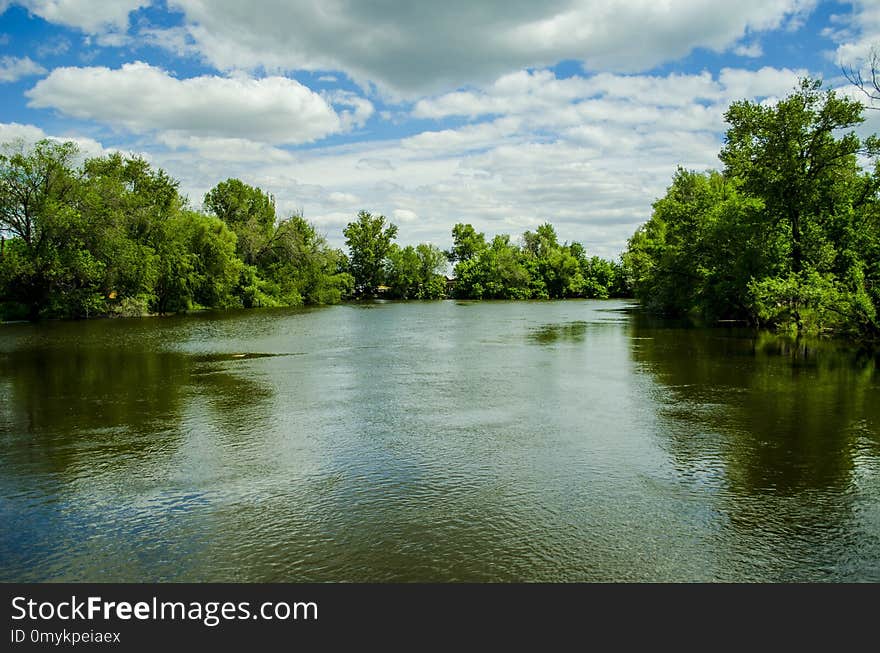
[446,441]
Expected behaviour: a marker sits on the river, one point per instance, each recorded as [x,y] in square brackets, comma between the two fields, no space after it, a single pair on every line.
[443,441]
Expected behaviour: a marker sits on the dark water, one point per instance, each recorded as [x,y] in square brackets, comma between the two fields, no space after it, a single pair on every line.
[547,441]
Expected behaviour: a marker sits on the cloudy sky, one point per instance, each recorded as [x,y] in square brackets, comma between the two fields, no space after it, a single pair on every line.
[502,113]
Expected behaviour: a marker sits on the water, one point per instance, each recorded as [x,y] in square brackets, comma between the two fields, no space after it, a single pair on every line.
[446,441]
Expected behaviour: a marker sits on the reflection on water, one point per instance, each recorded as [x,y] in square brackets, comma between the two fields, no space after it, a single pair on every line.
[572,331]
[785,433]
[491,441]
[791,415]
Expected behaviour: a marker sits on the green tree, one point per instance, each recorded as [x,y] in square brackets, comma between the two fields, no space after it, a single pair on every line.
[248,211]
[299,260]
[798,158]
[432,271]
[541,242]
[466,243]
[792,157]
[127,205]
[114,236]
[197,266]
[46,269]
[786,236]
[498,272]
[702,245]
[369,240]
[416,272]
[286,263]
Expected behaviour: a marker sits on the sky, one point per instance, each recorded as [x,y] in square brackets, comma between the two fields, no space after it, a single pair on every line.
[502,113]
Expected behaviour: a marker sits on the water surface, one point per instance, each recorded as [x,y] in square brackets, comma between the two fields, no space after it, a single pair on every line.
[445,441]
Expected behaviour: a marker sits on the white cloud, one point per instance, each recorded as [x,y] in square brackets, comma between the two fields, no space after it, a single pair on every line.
[763,83]
[424,45]
[173,39]
[224,149]
[142,98]
[516,92]
[751,50]
[856,33]
[358,109]
[13,132]
[370,163]
[463,139]
[540,97]
[14,68]
[93,16]
[108,39]
[404,215]
[342,199]
[591,160]
[53,47]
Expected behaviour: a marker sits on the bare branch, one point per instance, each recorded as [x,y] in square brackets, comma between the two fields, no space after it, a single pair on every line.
[871,88]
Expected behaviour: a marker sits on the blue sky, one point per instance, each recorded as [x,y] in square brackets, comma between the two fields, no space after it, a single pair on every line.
[505,114]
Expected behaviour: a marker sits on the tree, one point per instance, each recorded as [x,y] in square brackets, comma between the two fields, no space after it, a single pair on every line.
[299,260]
[33,185]
[113,236]
[286,263]
[794,158]
[541,242]
[466,243]
[248,211]
[127,205]
[432,268]
[865,76]
[498,272]
[369,241]
[561,271]
[211,245]
[789,156]
[702,245]
[45,267]
[786,236]
[416,272]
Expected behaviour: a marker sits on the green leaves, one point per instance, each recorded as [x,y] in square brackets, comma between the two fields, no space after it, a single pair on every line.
[369,240]
[787,237]
[248,211]
[416,272]
[793,156]
[540,269]
[466,243]
[114,237]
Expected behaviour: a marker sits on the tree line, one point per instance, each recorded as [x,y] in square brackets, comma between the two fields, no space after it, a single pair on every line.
[786,236]
[114,236]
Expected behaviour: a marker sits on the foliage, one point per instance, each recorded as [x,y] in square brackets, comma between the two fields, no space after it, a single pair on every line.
[786,236]
[416,272]
[46,266]
[466,243]
[299,260]
[114,237]
[369,240]
[248,211]
[541,268]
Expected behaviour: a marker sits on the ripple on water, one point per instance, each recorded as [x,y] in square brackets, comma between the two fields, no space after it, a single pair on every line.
[448,441]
